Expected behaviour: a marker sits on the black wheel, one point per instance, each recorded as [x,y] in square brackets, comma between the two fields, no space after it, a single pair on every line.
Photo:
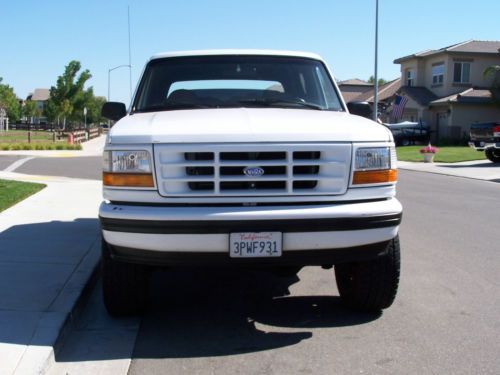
[493,154]
[124,285]
[370,285]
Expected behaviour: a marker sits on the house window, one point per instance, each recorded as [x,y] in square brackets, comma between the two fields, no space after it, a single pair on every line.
[410,77]
[461,72]
[438,74]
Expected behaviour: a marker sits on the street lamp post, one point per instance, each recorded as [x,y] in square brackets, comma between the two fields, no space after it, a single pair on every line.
[375,76]
[109,76]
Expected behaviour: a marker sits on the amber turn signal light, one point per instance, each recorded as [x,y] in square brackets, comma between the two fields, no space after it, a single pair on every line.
[374,177]
[128,179]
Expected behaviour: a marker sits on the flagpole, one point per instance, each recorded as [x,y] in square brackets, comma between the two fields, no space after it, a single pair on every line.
[375,86]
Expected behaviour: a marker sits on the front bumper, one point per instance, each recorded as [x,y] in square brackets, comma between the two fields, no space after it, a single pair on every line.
[312,234]
[481,146]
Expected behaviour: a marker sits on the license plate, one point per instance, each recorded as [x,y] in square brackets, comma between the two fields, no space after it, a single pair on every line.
[250,245]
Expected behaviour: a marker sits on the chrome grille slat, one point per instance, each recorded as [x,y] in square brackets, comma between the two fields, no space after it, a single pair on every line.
[217,169]
[238,163]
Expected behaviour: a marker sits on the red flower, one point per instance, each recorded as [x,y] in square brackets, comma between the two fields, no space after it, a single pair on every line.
[429,149]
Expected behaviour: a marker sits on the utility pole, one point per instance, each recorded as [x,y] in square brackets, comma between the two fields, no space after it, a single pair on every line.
[375,86]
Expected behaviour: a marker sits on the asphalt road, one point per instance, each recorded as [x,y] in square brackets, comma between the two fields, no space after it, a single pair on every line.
[7,160]
[86,167]
[445,319]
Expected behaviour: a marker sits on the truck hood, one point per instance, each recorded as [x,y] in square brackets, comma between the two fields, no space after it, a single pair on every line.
[246,125]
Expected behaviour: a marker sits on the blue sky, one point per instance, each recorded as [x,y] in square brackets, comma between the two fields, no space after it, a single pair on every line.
[39,38]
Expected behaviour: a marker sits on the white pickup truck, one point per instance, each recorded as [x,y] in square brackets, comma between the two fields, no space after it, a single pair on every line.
[247,158]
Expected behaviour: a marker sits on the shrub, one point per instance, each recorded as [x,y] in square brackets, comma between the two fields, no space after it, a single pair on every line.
[38,146]
[77,146]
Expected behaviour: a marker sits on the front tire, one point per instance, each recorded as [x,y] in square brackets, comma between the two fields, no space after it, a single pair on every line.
[370,285]
[124,285]
[493,154]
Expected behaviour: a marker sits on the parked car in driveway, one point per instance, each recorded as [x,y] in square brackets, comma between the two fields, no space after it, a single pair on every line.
[486,137]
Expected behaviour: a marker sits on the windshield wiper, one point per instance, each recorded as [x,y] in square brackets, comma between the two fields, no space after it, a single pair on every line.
[281,102]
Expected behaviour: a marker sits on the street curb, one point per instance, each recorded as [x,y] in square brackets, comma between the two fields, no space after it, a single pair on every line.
[79,305]
[73,297]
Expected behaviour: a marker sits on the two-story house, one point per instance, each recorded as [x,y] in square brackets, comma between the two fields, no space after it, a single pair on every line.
[352,88]
[40,97]
[446,88]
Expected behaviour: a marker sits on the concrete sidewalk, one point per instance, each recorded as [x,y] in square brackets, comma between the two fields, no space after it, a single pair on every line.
[93,147]
[49,248]
[477,169]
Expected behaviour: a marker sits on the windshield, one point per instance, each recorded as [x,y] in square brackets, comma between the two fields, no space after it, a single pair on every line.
[235,81]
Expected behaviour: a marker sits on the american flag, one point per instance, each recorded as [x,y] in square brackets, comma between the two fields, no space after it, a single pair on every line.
[398,107]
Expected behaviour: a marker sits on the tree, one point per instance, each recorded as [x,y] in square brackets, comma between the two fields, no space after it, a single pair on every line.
[29,109]
[68,97]
[8,100]
[494,72]
[381,81]
[94,107]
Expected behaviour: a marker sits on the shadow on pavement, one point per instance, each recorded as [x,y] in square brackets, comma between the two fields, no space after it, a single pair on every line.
[39,281]
[203,313]
[196,313]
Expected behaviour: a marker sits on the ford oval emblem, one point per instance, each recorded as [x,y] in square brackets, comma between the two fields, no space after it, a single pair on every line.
[253,171]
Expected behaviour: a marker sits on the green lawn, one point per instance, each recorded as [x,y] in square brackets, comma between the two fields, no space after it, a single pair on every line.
[12,192]
[40,140]
[21,136]
[447,154]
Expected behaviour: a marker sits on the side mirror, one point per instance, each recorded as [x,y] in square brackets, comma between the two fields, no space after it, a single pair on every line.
[113,110]
[362,109]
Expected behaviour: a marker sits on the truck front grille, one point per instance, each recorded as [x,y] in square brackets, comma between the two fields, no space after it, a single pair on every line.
[219,170]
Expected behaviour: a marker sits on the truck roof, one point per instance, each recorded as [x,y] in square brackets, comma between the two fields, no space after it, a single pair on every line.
[215,52]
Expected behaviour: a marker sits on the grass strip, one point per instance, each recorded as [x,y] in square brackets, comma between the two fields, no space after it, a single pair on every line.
[12,192]
[21,136]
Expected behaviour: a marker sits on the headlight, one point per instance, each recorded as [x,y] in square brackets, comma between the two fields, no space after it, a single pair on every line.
[127,169]
[126,162]
[373,158]
[375,165]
